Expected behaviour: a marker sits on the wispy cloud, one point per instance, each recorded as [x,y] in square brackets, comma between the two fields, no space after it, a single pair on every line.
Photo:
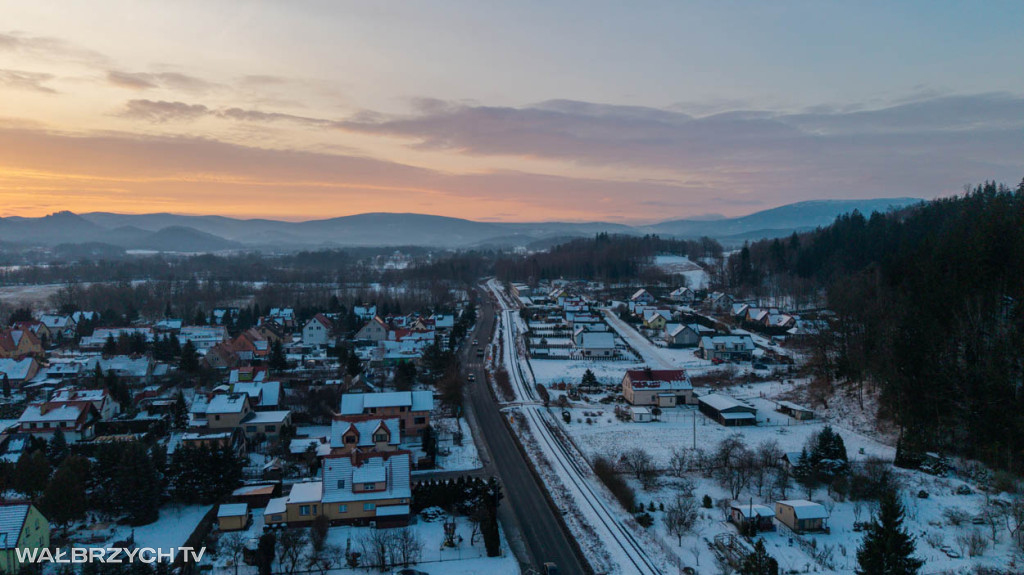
[160,111]
[23,80]
[148,81]
[49,48]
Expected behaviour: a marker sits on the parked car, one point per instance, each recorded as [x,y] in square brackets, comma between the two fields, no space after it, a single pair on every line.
[551,569]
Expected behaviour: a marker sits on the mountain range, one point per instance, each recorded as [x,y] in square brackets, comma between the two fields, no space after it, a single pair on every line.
[179,233]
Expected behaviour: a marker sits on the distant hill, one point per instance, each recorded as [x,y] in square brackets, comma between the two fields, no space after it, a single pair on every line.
[178,233]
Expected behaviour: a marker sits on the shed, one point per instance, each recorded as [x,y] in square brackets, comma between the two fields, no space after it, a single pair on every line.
[801,515]
[727,410]
[795,411]
[641,414]
[744,514]
[233,516]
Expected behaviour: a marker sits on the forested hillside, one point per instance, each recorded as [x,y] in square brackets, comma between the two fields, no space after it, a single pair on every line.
[605,257]
[930,309]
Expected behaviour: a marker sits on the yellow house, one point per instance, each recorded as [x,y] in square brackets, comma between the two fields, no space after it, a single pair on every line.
[233,516]
[22,526]
[656,318]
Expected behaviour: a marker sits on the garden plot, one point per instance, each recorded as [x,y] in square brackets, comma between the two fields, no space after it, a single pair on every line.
[834,552]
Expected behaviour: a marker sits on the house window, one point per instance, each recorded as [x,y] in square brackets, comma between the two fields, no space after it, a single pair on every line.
[304,510]
[216,417]
[402,409]
[373,410]
[419,420]
[380,437]
[341,484]
[271,428]
[350,439]
[275,517]
[369,486]
[250,428]
[369,506]
[343,509]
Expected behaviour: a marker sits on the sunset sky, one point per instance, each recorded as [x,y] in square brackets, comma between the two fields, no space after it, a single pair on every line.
[570,110]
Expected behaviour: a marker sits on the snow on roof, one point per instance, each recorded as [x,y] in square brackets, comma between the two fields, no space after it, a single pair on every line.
[804,509]
[276,506]
[748,511]
[227,403]
[667,379]
[365,429]
[269,392]
[16,369]
[262,417]
[355,403]
[306,492]
[597,340]
[339,474]
[233,509]
[54,412]
[721,402]
[795,407]
[744,342]
[12,519]
[370,472]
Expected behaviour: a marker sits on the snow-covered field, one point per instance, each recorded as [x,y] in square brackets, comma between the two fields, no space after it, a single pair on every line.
[609,437]
[452,457]
[682,265]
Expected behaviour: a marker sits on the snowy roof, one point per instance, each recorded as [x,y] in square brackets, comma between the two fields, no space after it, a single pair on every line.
[355,403]
[12,519]
[748,511]
[227,403]
[804,509]
[370,472]
[667,379]
[339,474]
[794,407]
[276,505]
[732,342]
[126,366]
[36,412]
[721,402]
[365,430]
[262,417]
[233,510]
[16,369]
[269,392]
[597,340]
[306,492]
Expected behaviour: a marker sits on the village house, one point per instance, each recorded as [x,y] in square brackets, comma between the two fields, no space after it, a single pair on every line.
[642,296]
[135,370]
[657,387]
[683,295]
[263,395]
[300,506]
[17,344]
[18,371]
[412,408]
[748,515]
[795,411]
[802,516]
[594,344]
[101,399]
[203,337]
[75,419]
[727,410]
[317,331]
[370,434]
[22,526]
[364,487]
[100,336]
[374,330]
[720,302]
[59,327]
[685,334]
[727,348]
[365,311]
[656,318]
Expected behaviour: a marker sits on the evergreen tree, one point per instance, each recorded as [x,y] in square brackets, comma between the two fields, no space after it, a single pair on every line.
[804,474]
[277,361]
[57,449]
[189,362]
[353,366]
[179,412]
[759,562]
[110,346]
[887,548]
[138,485]
[32,473]
[589,378]
[64,499]
[7,386]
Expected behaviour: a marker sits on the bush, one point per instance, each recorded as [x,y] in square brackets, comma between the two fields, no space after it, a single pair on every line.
[624,494]
[645,520]
[706,502]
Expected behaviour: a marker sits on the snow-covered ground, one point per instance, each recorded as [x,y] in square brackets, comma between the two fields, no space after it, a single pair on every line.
[696,277]
[464,559]
[452,457]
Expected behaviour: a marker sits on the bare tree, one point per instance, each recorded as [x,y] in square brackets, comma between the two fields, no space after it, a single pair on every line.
[679,463]
[375,545]
[409,547]
[290,545]
[641,465]
[328,558]
[680,517]
[232,545]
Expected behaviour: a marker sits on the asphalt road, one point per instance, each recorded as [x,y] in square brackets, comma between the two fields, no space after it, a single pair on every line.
[535,521]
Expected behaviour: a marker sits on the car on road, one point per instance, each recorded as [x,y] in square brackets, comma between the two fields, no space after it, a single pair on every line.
[551,569]
[471,378]
[476,342]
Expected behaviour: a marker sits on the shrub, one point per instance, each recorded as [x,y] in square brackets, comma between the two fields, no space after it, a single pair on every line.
[624,494]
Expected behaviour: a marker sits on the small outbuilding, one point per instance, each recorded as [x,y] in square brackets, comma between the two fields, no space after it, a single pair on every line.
[641,414]
[802,516]
[727,410]
[795,411]
[747,514]
[233,517]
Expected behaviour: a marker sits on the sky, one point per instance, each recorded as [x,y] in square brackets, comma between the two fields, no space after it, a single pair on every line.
[515,111]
